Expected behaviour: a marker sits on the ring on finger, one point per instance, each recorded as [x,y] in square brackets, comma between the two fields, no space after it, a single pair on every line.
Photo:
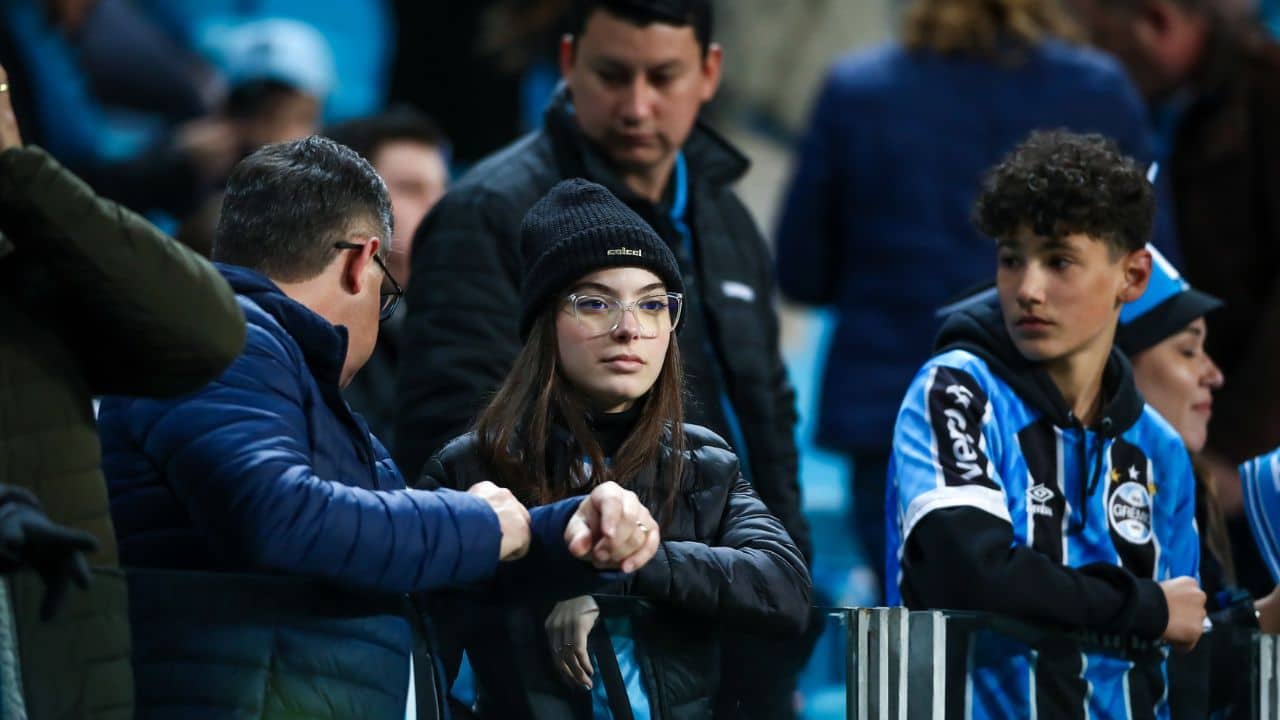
[644,529]
[4,87]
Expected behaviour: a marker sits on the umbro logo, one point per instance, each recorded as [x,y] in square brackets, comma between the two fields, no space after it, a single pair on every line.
[1039,493]
[1038,497]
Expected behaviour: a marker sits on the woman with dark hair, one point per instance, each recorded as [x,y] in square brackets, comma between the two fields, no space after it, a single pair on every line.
[1163,333]
[595,396]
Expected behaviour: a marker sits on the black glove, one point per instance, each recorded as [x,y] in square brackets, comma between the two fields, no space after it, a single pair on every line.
[28,539]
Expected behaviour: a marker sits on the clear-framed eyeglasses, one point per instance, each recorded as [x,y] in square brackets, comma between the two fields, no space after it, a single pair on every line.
[602,314]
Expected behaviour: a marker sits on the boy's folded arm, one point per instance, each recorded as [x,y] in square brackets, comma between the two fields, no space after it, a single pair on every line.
[962,558]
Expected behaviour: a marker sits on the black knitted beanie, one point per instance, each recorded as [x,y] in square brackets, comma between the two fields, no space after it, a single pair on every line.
[578,228]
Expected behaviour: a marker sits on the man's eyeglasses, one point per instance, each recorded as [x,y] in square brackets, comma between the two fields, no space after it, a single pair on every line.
[602,314]
[390,296]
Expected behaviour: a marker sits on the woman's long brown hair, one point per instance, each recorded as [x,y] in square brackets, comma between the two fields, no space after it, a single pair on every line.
[514,431]
[977,27]
[1215,522]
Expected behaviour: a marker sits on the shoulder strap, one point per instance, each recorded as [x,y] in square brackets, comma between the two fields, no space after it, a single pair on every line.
[610,673]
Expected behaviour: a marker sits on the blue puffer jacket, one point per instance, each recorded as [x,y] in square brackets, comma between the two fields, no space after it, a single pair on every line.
[266,470]
[877,218]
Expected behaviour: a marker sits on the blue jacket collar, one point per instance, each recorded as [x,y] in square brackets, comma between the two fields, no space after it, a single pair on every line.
[323,344]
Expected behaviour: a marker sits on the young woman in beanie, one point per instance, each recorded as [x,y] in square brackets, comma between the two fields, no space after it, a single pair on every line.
[1163,333]
[596,396]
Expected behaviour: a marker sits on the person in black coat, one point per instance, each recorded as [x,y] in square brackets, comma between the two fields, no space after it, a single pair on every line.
[677,173]
[596,397]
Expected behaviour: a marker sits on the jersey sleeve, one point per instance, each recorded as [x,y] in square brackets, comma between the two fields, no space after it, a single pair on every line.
[942,448]
[1260,482]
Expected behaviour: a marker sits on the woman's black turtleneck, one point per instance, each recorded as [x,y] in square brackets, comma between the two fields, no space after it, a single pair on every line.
[612,429]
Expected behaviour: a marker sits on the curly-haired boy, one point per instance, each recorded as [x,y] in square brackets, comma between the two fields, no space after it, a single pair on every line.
[1028,477]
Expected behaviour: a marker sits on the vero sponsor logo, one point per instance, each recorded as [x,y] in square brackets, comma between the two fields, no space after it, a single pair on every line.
[960,394]
[964,445]
[957,409]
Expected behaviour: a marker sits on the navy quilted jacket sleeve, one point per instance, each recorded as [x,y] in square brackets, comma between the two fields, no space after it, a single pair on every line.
[237,455]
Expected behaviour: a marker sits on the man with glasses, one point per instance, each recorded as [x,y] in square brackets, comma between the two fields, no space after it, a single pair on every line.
[390,292]
[267,470]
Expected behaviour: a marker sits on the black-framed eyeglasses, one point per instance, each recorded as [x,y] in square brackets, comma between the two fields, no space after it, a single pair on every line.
[390,296]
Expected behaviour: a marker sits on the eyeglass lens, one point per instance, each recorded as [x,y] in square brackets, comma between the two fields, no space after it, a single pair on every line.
[601,314]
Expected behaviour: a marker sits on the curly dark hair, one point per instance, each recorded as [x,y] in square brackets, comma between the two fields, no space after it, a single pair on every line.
[1058,183]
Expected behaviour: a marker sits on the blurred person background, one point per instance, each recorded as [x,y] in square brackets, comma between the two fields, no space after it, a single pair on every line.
[1210,77]
[485,69]
[885,183]
[411,154]
[153,102]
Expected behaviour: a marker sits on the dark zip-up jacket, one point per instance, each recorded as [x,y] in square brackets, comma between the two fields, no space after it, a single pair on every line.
[461,331]
[725,561]
[1006,503]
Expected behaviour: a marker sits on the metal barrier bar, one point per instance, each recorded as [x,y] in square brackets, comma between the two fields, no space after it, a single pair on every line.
[12,704]
[1268,684]
[905,665]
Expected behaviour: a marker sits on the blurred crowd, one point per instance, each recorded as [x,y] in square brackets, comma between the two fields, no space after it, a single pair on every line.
[257,416]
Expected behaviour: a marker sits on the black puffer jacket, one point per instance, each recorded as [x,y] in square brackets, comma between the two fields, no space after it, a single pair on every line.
[724,561]
[463,305]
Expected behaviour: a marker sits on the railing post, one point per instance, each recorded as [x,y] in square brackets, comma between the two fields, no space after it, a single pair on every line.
[1268,691]
[12,705]
[897,666]
[927,666]
[857,667]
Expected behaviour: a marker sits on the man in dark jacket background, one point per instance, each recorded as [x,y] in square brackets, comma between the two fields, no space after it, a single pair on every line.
[267,470]
[1213,86]
[410,153]
[636,75]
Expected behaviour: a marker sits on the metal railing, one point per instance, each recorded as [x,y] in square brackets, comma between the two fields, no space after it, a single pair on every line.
[894,664]
[905,665]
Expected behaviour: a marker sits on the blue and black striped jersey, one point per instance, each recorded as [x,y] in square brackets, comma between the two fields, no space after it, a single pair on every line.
[1121,495]
[1260,482]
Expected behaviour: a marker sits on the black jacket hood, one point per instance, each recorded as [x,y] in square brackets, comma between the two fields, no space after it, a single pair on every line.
[981,331]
